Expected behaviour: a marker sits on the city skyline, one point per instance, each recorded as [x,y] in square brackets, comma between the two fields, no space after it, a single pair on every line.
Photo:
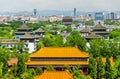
[82,5]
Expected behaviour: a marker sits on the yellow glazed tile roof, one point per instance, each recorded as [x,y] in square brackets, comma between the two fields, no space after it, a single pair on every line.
[59,52]
[111,60]
[57,62]
[54,75]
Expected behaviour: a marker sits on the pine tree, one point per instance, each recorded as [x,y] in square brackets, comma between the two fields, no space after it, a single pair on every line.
[100,68]
[92,67]
[108,69]
[20,65]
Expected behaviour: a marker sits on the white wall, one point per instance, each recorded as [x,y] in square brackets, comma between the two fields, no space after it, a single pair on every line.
[31,47]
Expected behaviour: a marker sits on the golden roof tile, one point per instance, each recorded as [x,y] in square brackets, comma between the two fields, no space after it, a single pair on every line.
[59,52]
[54,75]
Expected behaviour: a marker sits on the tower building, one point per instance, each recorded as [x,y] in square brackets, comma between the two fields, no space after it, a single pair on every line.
[35,12]
[74,11]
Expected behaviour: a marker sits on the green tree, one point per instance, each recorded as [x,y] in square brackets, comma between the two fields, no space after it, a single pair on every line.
[66,67]
[114,34]
[116,69]
[4,55]
[68,29]
[8,76]
[13,70]
[89,23]
[92,70]
[77,75]
[50,68]
[1,68]
[99,47]
[15,24]
[75,39]
[39,70]
[114,23]
[20,65]
[94,48]
[100,68]
[20,48]
[25,75]
[108,74]
[48,40]
[38,25]
[58,40]
[29,74]
[39,45]
[114,49]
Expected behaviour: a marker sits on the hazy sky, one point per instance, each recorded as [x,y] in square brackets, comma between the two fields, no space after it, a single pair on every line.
[82,5]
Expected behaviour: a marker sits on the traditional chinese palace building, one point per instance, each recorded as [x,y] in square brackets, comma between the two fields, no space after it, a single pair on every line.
[58,57]
[100,30]
[8,43]
[29,41]
[38,33]
[85,32]
[67,20]
[92,36]
[29,37]
[22,30]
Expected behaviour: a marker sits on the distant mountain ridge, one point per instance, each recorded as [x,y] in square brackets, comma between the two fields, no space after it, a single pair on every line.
[53,12]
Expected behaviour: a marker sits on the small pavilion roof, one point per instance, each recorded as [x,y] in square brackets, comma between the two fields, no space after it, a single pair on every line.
[85,30]
[24,26]
[39,30]
[99,26]
[26,36]
[54,75]
[92,35]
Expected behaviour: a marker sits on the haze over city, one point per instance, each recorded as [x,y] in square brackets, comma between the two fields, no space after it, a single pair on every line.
[59,39]
[82,5]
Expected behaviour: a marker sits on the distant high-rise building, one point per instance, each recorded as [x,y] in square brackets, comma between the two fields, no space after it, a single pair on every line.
[111,16]
[99,16]
[89,15]
[74,11]
[35,12]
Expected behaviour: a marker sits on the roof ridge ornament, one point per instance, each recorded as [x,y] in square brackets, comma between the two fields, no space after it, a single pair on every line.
[76,46]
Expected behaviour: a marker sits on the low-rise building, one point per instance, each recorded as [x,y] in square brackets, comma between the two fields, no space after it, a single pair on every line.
[8,43]
[67,20]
